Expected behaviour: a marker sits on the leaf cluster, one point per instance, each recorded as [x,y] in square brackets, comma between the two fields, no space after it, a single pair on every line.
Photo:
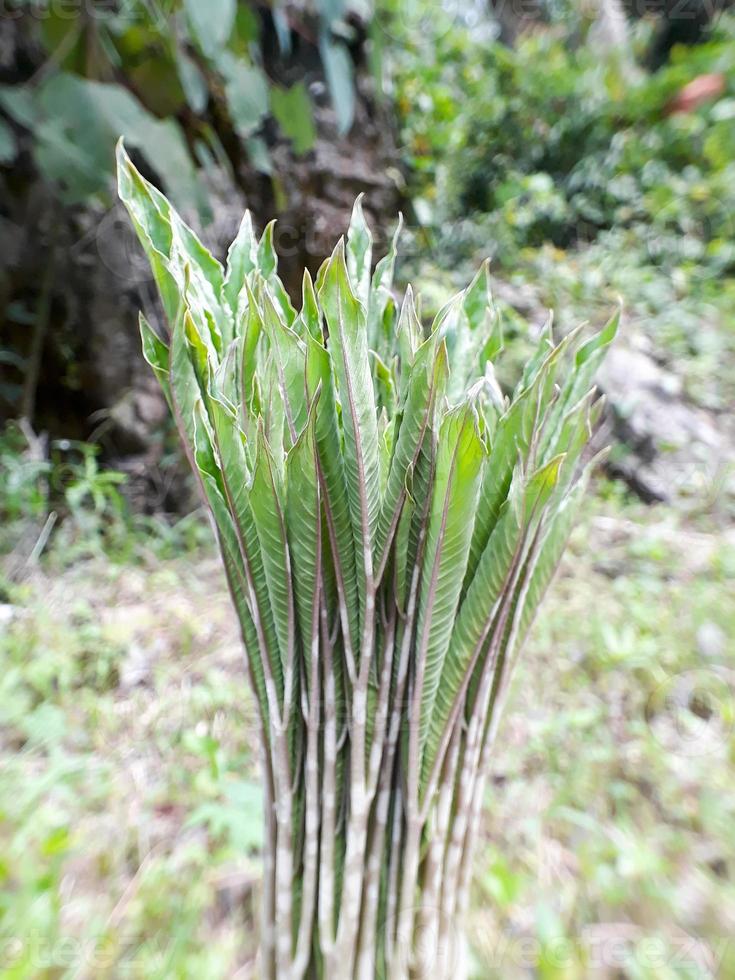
[368,478]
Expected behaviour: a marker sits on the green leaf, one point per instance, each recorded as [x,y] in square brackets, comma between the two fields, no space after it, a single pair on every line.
[246,91]
[156,353]
[292,109]
[460,456]
[267,257]
[211,23]
[490,586]
[260,156]
[345,318]
[304,520]
[359,252]
[270,523]
[427,380]
[150,212]
[319,381]
[21,104]
[8,143]
[552,547]
[185,390]
[242,259]
[180,262]
[205,463]
[420,488]
[268,267]
[541,485]
[224,383]
[310,317]
[340,79]
[471,329]
[408,338]
[402,568]
[511,440]
[249,337]
[380,338]
[289,357]
[80,122]
[238,591]
[235,479]
[588,359]
[193,82]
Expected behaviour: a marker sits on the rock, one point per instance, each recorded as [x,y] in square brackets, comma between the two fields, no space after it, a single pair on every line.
[711,641]
[135,668]
[673,449]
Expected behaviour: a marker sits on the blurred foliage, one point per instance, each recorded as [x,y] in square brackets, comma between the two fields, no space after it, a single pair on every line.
[559,142]
[61,500]
[68,477]
[76,753]
[23,478]
[570,168]
[163,74]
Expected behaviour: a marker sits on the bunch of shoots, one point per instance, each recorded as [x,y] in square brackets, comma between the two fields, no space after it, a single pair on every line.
[389,520]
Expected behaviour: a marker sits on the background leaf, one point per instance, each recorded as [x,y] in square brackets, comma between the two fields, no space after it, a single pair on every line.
[211,22]
[8,143]
[292,109]
[247,93]
[340,79]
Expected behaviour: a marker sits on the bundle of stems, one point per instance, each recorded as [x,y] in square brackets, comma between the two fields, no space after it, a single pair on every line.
[389,520]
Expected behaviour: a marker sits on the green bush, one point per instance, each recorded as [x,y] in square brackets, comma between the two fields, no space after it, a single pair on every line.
[558,143]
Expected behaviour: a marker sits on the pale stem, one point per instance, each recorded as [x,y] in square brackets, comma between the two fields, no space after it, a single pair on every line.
[431,871]
[329,799]
[380,777]
[396,857]
[311,765]
[360,800]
